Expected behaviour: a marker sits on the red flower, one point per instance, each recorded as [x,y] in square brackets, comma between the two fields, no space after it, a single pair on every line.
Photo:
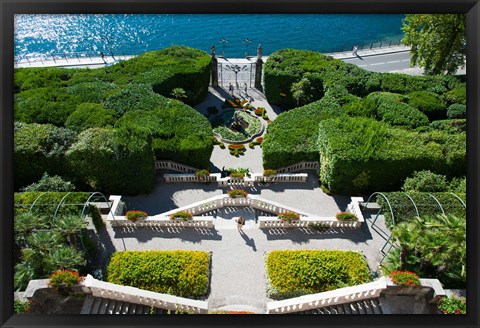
[444,311]
[457,311]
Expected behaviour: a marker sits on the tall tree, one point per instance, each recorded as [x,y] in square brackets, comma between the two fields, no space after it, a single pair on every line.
[438,41]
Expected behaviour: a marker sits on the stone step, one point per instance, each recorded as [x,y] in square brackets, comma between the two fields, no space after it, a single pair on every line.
[98,305]
[369,306]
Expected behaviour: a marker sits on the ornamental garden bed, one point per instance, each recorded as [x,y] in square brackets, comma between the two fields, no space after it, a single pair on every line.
[180,273]
[294,273]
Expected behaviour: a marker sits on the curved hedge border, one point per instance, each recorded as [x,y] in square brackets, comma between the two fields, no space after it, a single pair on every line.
[292,273]
[180,273]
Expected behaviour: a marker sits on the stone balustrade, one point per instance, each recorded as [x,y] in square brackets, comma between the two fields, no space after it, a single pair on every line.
[195,222]
[333,297]
[229,181]
[174,166]
[305,222]
[144,297]
[302,166]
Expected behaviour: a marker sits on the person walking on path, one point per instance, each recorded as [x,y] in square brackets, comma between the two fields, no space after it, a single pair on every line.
[354,50]
[103,56]
[230,88]
[240,223]
[246,94]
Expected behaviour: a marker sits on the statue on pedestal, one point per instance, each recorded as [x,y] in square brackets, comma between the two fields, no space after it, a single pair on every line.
[259,51]
[212,50]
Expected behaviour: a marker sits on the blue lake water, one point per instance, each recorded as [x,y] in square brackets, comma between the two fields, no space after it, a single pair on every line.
[40,35]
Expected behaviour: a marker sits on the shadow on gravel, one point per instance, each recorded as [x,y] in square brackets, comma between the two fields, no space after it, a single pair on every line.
[144,234]
[304,235]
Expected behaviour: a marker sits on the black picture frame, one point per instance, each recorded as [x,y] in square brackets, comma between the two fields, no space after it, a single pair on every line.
[9,8]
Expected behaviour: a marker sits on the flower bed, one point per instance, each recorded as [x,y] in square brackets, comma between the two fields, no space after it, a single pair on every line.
[181,273]
[453,305]
[136,215]
[183,215]
[346,216]
[269,172]
[237,150]
[289,217]
[294,273]
[404,278]
[237,193]
[64,278]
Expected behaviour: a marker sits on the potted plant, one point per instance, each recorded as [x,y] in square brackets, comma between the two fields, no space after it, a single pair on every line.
[237,193]
[404,278]
[64,280]
[346,216]
[289,217]
[269,173]
[181,215]
[202,174]
[136,215]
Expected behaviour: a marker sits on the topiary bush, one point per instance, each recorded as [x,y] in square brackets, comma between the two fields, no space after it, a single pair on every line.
[48,183]
[39,148]
[450,126]
[423,181]
[382,157]
[457,95]
[177,132]
[457,111]
[88,115]
[400,114]
[292,137]
[293,273]
[113,162]
[180,273]
[428,103]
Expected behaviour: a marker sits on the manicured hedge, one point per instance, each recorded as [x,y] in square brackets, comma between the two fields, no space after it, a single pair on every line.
[39,148]
[451,126]
[457,111]
[293,273]
[177,131]
[166,69]
[112,161]
[36,77]
[292,137]
[362,155]
[457,95]
[89,115]
[96,91]
[401,114]
[404,210]
[180,273]
[428,103]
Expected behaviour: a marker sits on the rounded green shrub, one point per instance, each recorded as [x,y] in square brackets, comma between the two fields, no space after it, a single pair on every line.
[401,114]
[428,103]
[423,181]
[92,92]
[457,95]
[88,115]
[456,111]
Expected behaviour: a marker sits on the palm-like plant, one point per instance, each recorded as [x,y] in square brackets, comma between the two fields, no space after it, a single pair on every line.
[23,274]
[44,241]
[64,257]
[70,225]
[178,93]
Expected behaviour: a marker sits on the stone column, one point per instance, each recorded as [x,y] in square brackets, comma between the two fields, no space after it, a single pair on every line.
[258,74]
[214,79]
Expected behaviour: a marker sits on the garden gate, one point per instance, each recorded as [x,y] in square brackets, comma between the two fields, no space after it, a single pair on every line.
[236,73]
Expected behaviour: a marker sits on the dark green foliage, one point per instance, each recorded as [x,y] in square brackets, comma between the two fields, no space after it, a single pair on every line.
[404,210]
[112,164]
[362,155]
[457,95]
[292,137]
[134,97]
[92,92]
[379,97]
[394,82]
[287,66]
[48,183]
[170,68]
[425,181]
[39,148]
[34,78]
[457,111]
[428,103]
[177,132]
[401,114]
[458,185]
[450,126]
[294,273]
[96,216]
[44,105]
[180,273]
[361,107]
[88,115]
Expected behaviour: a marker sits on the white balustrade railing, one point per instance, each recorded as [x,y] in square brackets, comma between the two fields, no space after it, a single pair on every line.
[305,222]
[174,166]
[195,222]
[333,297]
[230,181]
[144,297]
[302,166]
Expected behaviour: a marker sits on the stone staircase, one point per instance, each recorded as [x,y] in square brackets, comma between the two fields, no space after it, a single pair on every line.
[99,305]
[367,306]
